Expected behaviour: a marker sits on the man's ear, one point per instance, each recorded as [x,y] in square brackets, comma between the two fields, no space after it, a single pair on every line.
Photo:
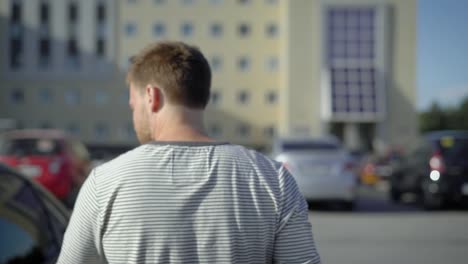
[153,97]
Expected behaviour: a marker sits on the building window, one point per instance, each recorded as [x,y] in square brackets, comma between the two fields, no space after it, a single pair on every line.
[186,29]
[271,30]
[73,129]
[127,131]
[45,96]
[45,125]
[17,96]
[100,47]
[101,12]
[216,2]
[244,30]
[73,53]
[269,131]
[216,30]
[130,29]
[243,130]
[72,97]
[124,97]
[101,97]
[132,1]
[159,2]
[16,36]
[244,64]
[159,30]
[44,52]
[101,131]
[215,130]
[243,97]
[100,30]
[272,64]
[244,2]
[187,2]
[73,13]
[271,97]
[215,97]
[216,63]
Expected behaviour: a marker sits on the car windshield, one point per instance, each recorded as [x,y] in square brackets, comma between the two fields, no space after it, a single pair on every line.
[30,147]
[453,148]
[308,146]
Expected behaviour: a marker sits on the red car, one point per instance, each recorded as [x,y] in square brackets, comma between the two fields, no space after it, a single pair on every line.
[57,161]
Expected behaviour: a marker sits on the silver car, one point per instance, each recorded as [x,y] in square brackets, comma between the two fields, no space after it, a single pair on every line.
[322,168]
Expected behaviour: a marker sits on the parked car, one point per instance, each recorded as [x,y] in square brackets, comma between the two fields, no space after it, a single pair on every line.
[32,220]
[436,170]
[322,168]
[378,168]
[51,157]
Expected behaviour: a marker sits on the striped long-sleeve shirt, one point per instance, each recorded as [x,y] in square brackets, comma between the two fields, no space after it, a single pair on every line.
[197,202]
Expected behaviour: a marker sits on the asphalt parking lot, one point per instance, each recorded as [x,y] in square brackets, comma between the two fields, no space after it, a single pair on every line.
[379,231]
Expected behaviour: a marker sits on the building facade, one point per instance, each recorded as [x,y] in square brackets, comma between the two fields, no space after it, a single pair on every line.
[280,68]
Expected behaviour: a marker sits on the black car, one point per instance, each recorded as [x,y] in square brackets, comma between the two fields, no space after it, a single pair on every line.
[435,169]
[32,220]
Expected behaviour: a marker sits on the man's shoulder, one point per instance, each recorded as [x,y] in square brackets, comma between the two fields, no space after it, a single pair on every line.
[123,159]
[252,156]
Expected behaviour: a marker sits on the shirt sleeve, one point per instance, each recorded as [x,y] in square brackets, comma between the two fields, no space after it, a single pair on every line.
[294,241]
[82,235]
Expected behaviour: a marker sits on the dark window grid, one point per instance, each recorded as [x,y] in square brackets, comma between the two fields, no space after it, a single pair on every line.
[159,29]
[130,29]
[269,131]
[16,53]
[271,97]
[244,30]
[243,97]
[100,13]
[216,63]
[73,12]
[16,12]
[72,48]
[17,96]
[44,13]
[271,30]
[216,30]
[187,29]
[244,130]
[44,52]
[215,97]
[244,63]
[46,96]
[100,47]
[215,130]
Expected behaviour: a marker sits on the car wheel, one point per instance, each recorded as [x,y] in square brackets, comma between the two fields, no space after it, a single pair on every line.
[432,202]
[348,205]
[395,195]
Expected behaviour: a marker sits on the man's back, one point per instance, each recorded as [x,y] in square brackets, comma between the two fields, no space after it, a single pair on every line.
[190,202]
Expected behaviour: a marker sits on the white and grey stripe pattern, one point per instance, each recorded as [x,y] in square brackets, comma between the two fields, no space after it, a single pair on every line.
[177,202]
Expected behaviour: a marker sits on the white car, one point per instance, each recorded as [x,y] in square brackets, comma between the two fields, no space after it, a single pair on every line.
[322,168]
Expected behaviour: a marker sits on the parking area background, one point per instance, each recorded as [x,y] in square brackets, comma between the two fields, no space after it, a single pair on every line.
[381,232]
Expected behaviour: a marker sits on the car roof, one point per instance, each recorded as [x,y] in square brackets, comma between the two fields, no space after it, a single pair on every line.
[36,133]
[435,135]
[325,139]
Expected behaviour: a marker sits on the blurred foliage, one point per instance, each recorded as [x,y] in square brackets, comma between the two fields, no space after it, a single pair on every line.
[445,118]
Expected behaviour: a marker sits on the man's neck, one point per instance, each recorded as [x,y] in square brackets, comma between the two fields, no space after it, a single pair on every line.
[180,124]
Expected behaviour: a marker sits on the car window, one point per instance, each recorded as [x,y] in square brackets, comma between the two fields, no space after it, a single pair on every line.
[453,148]
[30,147]
[32,222]
[308,146]
[18,245]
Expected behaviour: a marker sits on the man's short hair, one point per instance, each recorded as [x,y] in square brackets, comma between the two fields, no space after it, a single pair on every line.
[180,70]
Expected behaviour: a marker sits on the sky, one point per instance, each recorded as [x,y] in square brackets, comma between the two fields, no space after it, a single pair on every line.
[442,52]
